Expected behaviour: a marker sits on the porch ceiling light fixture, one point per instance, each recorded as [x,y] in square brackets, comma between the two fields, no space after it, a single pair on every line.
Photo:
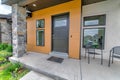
[34,5]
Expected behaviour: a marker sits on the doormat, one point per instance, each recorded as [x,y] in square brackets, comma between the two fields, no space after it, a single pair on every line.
[55,59]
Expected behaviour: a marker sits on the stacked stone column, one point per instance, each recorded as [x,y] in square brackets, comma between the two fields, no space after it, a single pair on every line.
[18,30]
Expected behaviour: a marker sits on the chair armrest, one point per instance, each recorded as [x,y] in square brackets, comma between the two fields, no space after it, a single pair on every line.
[111,50]
[110,53]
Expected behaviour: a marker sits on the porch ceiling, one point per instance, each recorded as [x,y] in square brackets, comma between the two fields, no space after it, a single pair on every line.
[44,4]
[39,4]
[86,2]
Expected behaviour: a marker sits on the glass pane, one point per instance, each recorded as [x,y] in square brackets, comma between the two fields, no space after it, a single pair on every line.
[40,23]
[91,22]
[40,37]
[60,22]
[94,37]
[95,20]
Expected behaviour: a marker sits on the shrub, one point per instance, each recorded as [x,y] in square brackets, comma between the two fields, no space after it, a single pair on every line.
[2,59]
[3,46]
[13,71]
[13,67]
[5,54]
[9,48]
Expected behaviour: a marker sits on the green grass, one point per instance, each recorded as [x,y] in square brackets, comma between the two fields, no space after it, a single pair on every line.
[4,56]
[4,53]
[12,71]
[8,70]
[8,76]
[4,76]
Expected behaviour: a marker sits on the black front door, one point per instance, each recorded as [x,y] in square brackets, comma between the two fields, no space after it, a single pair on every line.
[60,32]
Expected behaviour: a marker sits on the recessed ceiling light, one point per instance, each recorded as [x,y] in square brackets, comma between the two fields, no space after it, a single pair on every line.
[34,5]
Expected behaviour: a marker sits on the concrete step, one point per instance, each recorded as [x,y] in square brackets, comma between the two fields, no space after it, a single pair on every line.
[59,54]
[37,69]
[35,76]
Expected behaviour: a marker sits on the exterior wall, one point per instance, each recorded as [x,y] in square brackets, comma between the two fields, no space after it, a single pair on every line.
[5,31]
[74,8]
[112,28]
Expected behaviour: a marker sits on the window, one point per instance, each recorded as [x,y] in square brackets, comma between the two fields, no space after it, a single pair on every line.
[40,31]
[40,37]
[98,20]
[94,37]
[61,22]
[40,23]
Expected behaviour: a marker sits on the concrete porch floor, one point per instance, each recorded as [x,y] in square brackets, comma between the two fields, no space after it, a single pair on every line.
[96,71]
[71,69]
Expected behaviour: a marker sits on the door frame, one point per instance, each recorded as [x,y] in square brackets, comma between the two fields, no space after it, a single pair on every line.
[66,13]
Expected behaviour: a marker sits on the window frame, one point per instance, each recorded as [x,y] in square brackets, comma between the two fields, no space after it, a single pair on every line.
[103,37]
[95,19]
[38,37]
[43,23]
[38,29]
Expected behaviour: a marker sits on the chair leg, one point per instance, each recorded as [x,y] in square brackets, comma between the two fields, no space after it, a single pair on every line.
[101,57]
[109,60]
[112,60]
[88,58]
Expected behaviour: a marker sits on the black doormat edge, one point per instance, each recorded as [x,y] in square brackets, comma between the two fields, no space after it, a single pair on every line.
[55,59]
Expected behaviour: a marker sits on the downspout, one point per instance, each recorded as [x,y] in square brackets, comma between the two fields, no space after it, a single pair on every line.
[80,32]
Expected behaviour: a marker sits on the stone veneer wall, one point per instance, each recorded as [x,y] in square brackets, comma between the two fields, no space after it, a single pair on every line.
[18,30]
[5,31]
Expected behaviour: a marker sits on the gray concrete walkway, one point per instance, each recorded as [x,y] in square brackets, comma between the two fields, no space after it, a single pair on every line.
[70,68]
[35,76]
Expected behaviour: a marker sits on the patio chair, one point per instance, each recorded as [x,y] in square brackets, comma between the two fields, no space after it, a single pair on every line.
[114,53]
[89,49]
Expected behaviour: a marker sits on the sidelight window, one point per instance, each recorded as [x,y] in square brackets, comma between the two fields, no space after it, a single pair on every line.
[40,31]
